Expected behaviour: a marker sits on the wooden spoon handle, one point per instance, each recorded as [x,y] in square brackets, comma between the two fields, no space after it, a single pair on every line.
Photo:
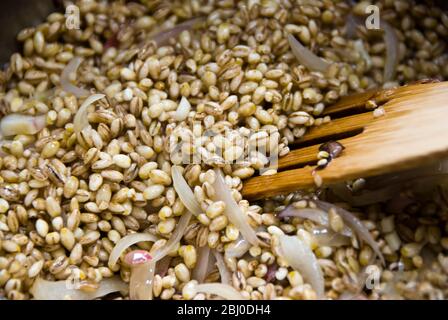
[413,132]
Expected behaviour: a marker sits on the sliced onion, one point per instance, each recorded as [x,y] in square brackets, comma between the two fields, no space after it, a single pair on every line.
[223,290]
[184,192]
[306,57]
[392,51]
[142,274]
[58,290]
[390,40]
[141,281]
[316,215]
[328,238]
[361,49]
[237,249]
[183,110]
[17,123]
[164,36]
[175,237]
[126,242]
[357,283]
[200,271]
[233,211]
[351,25]
[355,224]
[157,256]
[80,121]
[301,258]
[226,276]
[66,84]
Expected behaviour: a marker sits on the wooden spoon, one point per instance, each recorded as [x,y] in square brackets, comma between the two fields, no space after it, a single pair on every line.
[413,132]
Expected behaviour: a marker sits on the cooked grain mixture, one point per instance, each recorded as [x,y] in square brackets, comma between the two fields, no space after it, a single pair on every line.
[96,195]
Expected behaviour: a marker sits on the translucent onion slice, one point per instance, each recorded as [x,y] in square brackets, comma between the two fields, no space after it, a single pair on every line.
[175,237]
[355,224]
[80,121]
[200,271]
[164,36]
[316,215]
[157,256]
[58,290]
[300,257]
[392,51]
[390,40]
[306,57]
[66,84]
[224,272]
[233,211]
[141,281]
[361,49]
[329,238]
[223,290]
[358,281]
[184,192]
[126,242]
[16,123]
[183,110]
[351,26]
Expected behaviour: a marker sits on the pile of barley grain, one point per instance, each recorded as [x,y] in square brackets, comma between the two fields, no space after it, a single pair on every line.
[67,199]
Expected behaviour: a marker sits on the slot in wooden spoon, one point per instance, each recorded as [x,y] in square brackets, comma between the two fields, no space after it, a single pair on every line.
[413,132]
